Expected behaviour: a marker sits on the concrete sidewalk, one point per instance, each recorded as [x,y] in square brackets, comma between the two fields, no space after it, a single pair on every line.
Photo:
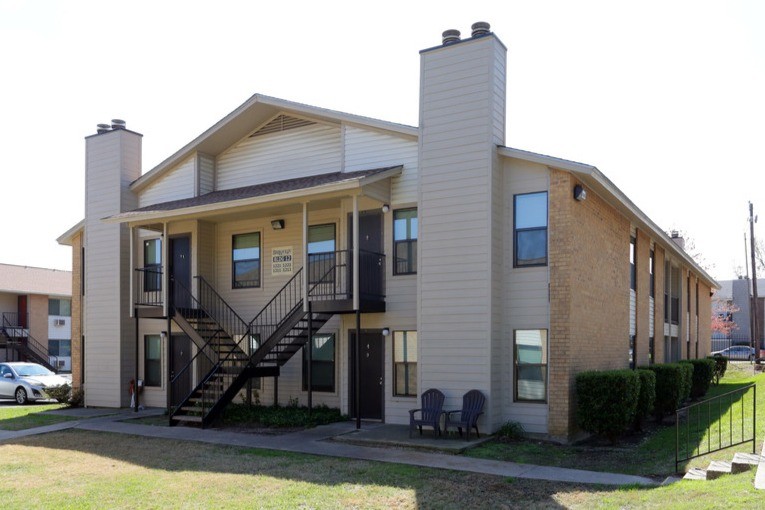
[317,441]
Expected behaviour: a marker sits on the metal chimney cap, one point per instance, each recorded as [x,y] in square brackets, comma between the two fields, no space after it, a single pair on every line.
[480,28]
[118,124]
[450,36]
[103,128]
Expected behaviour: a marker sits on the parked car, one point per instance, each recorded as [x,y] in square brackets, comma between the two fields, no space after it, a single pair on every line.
[737,352]
[27,382]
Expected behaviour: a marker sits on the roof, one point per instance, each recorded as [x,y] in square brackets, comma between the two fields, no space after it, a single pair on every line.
[256,111]
[67,237]
[603,186]
[258,193]
[35,280]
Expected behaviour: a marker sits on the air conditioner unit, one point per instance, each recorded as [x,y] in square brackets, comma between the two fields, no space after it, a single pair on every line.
[59,322]
[60,363]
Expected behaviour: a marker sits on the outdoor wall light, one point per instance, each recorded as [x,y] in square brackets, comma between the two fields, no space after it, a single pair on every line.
[580,194]
[385,208]
[277,224]
[163,334]
[386,331]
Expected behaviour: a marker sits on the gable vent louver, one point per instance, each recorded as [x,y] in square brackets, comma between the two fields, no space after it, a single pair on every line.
[281,123]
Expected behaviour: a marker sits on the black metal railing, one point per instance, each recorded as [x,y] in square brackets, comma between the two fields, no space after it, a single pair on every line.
[148,286]
[220,311]
[276,311]
[331,275]
[20,339]
[15,320]
[713,424]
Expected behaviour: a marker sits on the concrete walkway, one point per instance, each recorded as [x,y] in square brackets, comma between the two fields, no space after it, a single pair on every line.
[317,441]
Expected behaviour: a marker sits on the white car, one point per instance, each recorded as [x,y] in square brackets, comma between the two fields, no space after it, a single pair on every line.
[27,382]
[737,352]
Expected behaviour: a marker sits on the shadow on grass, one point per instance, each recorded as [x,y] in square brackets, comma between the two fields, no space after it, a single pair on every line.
[28,416]
[274,475]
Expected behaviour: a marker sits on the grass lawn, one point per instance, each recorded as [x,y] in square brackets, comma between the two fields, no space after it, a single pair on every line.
[79,469]
[27,417]
[654,454]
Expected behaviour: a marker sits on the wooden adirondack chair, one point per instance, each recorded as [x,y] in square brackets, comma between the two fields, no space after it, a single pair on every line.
[430,412]
[467,417]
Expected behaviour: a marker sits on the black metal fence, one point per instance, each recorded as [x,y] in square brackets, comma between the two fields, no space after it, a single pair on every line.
[148,286]
[715,424]
[722,342]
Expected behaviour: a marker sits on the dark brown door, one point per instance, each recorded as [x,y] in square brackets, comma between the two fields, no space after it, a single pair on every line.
[370,243]
[22,310]
[372,384]
[180,269]
[180,374]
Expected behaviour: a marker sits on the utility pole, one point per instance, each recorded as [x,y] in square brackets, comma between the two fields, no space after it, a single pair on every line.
[755,341]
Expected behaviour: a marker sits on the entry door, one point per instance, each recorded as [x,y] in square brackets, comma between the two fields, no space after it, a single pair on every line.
[180,355]
[370,240]
[22,310]
[372,383]
[180,268]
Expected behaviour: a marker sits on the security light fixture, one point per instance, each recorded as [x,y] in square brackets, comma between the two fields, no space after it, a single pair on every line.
[386,331]
[385,208]
[580,194]
[277,224]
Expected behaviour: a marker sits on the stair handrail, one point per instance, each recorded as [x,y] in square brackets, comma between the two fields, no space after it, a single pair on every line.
[30,343]
[288,298]
[219,309]
[742,438]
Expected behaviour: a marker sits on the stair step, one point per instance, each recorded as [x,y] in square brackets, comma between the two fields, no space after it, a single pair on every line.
[717,468]
[187,418]
[192,409]
[695,474]
[745,461]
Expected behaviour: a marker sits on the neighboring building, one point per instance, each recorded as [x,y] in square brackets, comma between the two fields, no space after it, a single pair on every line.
[459,262]
[739,294]
[35,316]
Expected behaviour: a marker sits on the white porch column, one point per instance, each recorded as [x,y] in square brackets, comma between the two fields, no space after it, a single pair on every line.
[131,272]
[305,256]
[355,252]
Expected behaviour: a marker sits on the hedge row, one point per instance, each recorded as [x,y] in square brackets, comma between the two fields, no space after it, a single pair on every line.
[610,401]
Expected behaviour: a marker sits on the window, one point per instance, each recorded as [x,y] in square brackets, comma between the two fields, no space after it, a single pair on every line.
[321,253]
[405,241]
[60,307]
[632,351]
[152,264]
[651,350]
[152,356]
[633,258]
[60,348]
[245,255]
[652,282]
[405,363]
[323,364]
[530,233]
[530,352]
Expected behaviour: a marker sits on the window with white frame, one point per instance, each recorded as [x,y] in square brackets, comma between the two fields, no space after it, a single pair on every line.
[405,363]
[405,241]
[322,363]
[245,264]
[530,229]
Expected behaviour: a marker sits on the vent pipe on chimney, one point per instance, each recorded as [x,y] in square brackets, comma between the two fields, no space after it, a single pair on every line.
[678,239]
[118,124]
[480,29]
[103,128]
[450,36]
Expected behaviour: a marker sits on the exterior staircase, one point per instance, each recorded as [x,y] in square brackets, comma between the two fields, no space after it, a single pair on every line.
[25,346]
[741,462]
[232,351]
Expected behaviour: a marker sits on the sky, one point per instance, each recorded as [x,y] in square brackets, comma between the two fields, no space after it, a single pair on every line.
[667,98]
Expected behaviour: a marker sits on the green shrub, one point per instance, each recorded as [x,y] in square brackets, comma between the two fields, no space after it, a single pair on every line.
[646,397]
[510,431]
[607,401]
[60,393]
[280,417]
[721,365]
[77,399]
[669,385]
[703,372]
[685,389]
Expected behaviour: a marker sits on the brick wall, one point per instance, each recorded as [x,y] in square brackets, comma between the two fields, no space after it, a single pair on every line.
[705,315]
[77,311]
[38,318]
[589,294]
[659,317]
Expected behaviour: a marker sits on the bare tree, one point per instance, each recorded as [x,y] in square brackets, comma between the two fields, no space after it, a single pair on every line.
[692,250]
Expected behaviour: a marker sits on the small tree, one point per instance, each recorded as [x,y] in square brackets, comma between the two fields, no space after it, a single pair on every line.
[722,316]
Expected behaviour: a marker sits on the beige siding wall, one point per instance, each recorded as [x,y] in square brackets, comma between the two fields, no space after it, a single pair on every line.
[113,160]
[366,148]
[299,152]
[176,184]
[458,93]
[205,174]
[525,292]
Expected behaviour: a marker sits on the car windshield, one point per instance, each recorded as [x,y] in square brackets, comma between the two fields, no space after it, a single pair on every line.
[29,370]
